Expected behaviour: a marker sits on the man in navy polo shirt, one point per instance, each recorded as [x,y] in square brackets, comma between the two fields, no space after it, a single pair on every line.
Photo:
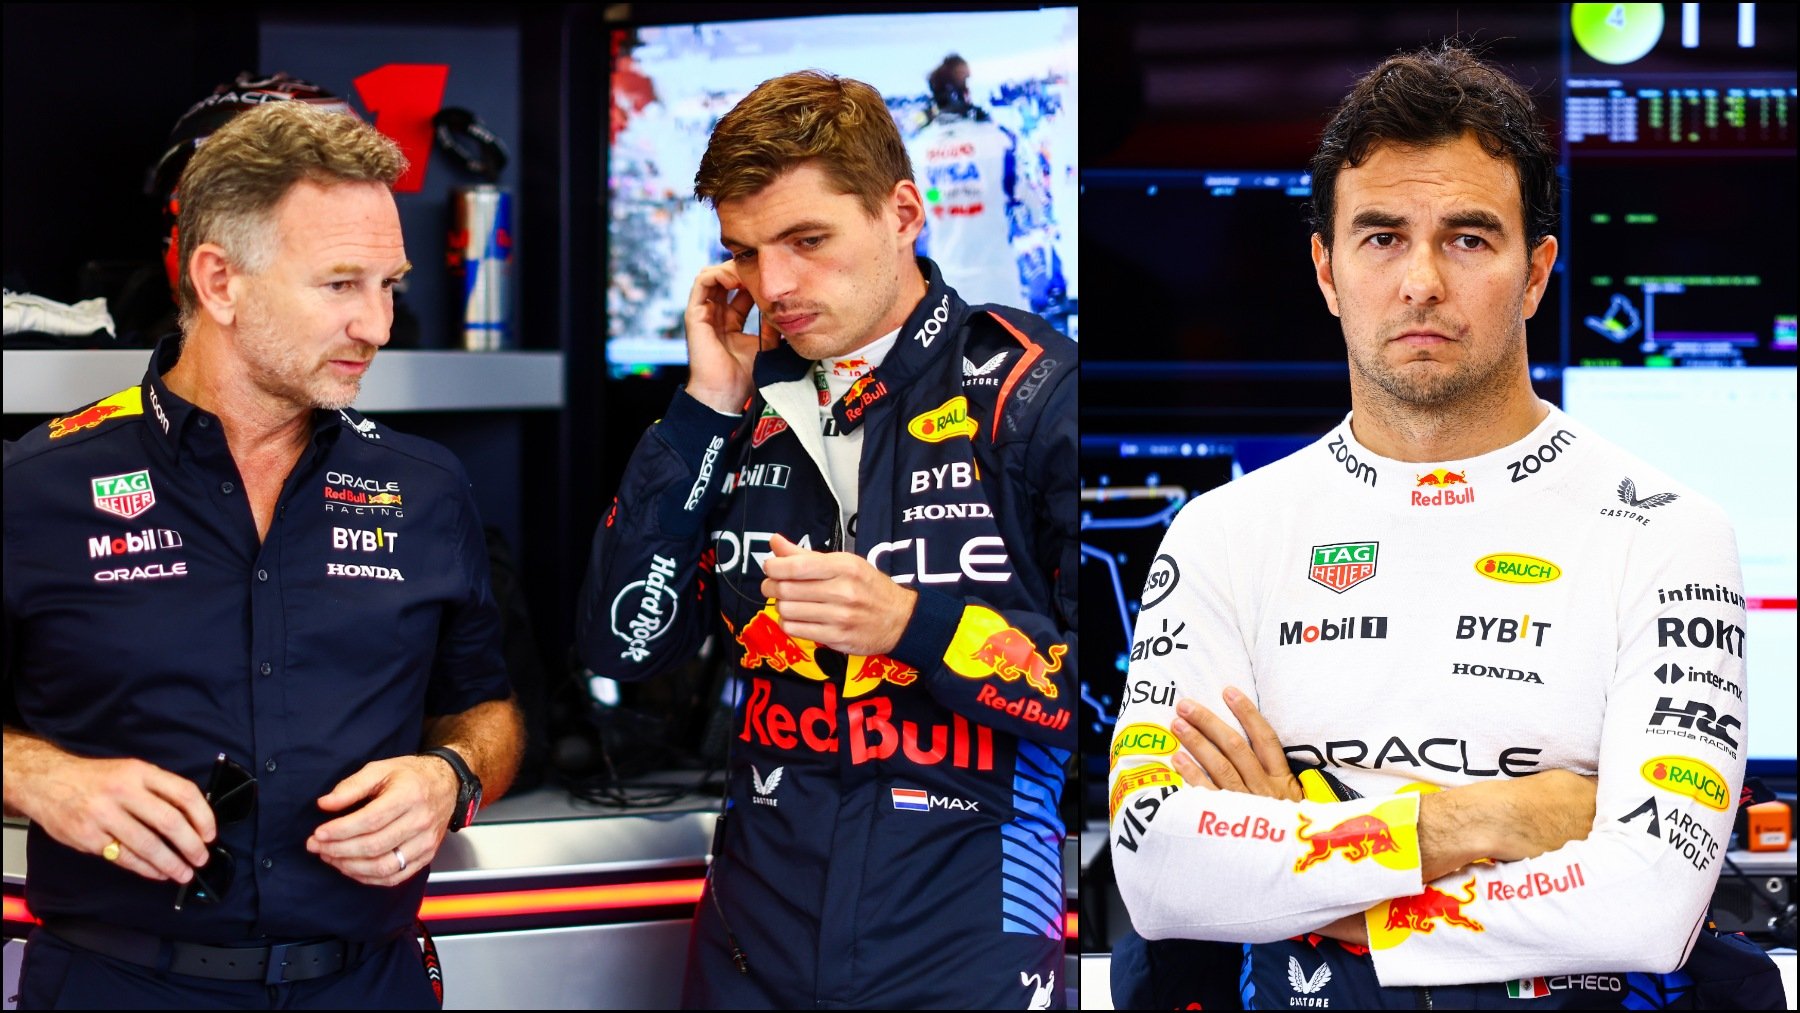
[223,574]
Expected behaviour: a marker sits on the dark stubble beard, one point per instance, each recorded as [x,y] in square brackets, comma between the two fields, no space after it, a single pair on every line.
[283,370]
[1470,384]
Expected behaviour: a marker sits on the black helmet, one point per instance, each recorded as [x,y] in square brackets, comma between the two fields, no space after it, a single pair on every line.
[204,118]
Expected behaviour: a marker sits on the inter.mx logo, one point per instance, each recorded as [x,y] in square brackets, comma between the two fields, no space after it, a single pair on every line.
[126,495]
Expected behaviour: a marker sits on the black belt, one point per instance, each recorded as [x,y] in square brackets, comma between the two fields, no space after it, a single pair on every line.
[271,965]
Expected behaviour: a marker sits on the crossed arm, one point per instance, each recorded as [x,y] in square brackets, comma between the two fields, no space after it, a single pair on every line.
[1505,821]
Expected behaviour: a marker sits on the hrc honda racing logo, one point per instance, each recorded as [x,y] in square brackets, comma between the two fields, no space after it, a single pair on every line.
[644,609]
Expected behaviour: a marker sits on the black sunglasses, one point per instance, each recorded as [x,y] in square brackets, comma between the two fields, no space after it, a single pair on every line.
[231,794]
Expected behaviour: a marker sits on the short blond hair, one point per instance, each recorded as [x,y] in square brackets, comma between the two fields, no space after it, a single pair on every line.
[230,188]
[809,115]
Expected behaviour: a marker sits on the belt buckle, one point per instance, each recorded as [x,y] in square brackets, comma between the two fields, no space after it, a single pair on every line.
[273,971]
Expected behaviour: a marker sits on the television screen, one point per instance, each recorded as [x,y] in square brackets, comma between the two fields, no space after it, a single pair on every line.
[998,176]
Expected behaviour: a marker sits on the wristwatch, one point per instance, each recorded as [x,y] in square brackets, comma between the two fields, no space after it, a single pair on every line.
[468,792]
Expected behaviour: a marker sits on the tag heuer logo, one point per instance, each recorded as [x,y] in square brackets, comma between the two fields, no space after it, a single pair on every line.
[126,495]
[1342,566]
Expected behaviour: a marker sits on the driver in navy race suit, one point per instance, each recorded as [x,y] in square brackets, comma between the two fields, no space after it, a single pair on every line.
[872,505]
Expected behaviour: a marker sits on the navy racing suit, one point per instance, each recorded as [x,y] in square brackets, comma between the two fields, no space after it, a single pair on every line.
[892,835]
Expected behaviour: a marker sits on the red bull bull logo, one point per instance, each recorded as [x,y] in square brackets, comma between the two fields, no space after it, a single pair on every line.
[987,645]
[850,367]
[129,401]
[1420,913]
[1442,481]
[1011,654]
[1358,837]
[865,673]
[766,643]
[870,729]
[863,393]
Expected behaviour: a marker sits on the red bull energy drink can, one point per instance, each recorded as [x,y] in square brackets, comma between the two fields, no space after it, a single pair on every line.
[480,260]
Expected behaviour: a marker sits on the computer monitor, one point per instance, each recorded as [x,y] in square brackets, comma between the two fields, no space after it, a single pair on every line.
[1012,167]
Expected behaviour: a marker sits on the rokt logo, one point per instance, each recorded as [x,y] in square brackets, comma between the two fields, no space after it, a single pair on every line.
[1513,568]
[1700,632]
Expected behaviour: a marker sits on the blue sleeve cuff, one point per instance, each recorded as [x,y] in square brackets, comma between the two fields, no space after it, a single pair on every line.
[927,636]
[697,436]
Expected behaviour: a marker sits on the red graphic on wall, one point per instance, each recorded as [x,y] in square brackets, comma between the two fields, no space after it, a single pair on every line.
[403,98]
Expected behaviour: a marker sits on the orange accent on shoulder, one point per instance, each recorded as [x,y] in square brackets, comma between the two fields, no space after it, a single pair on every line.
[1032,351]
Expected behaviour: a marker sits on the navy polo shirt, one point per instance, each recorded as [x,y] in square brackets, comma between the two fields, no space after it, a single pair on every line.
[145,619]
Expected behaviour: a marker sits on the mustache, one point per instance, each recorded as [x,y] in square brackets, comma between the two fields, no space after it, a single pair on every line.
[1425,318]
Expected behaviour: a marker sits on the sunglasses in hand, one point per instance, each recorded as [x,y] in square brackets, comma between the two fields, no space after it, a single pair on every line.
[231,794]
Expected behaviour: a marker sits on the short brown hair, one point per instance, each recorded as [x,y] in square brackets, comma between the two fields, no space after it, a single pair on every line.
[230,188]
[1432,97]
[799,117]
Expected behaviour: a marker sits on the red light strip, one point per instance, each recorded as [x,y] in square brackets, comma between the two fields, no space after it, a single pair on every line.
[530,902]
[1773,604]
[16,911]
[575,898]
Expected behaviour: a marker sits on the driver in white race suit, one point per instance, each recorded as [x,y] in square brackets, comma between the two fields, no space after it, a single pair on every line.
[1509,655]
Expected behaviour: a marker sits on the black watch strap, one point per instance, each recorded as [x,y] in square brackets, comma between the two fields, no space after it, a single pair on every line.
[468,794]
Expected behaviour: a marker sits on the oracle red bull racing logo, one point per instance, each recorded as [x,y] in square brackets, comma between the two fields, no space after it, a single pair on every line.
[987,645]
[1388,834]
[126,402]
